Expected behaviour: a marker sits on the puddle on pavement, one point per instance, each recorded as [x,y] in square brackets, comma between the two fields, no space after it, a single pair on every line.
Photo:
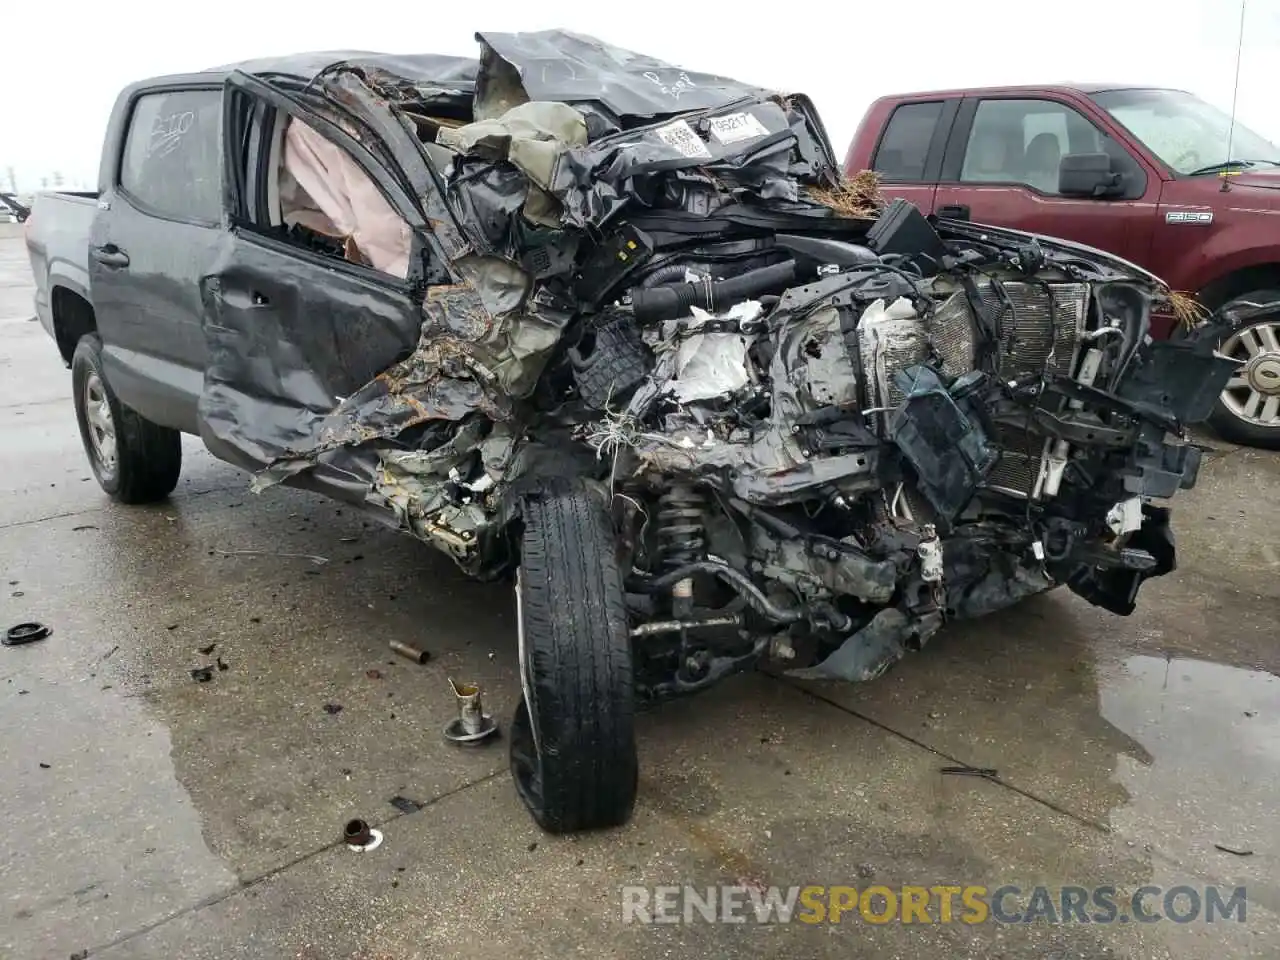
[106,837]
[1213,735]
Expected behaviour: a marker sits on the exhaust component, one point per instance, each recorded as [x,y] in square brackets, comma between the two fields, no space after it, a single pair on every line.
[409,651]
[472,724]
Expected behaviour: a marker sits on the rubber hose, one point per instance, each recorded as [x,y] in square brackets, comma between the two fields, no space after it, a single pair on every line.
[666,302]
[669,273]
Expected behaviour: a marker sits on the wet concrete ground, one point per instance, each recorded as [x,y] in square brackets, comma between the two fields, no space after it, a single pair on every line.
[150,816]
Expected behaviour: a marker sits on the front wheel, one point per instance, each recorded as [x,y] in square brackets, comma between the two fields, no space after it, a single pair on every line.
[573,749]
[1248,411]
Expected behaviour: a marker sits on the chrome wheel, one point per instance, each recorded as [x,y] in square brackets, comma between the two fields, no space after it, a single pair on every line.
[97,415]
[1253,393]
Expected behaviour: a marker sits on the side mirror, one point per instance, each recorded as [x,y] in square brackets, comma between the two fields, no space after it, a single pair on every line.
[1087,175]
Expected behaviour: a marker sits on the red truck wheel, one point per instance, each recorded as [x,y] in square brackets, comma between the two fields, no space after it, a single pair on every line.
[1248,412]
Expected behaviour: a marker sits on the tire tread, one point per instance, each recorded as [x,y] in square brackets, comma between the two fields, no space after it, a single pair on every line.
[579,651]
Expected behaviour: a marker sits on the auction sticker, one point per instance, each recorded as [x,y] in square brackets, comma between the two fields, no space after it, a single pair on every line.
[736,127]
[682,137]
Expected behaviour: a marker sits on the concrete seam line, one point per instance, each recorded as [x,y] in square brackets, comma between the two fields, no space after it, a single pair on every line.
[276,871]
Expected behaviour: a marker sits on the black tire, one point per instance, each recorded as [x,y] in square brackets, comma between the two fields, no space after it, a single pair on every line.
[1226,421]
[573,749]
[148,457]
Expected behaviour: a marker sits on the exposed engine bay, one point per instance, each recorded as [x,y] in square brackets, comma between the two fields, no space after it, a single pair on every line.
[823,432]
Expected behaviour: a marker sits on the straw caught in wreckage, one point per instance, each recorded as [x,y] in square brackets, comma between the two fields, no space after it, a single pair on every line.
[708,415]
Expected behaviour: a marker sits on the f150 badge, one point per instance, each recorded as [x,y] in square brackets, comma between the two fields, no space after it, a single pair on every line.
[1202,217]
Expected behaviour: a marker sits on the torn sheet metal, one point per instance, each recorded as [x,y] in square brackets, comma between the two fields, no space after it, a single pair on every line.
[572,68]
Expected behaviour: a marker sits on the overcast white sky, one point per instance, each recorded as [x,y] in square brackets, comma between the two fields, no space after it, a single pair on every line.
[60,69]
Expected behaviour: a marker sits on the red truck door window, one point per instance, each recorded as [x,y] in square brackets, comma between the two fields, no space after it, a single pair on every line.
[907,149]
[1008,176]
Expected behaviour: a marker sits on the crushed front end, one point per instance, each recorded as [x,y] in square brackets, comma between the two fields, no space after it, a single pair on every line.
[830,468]
[824,426]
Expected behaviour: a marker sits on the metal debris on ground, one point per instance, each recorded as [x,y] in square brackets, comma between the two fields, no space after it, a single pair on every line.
[202,674]
[318,560]
[361,837]
[472,724]
[22,633]
[409,651]
[1237,851]
[989,773]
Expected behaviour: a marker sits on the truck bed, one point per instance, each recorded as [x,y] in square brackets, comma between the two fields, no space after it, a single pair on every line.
[58,232]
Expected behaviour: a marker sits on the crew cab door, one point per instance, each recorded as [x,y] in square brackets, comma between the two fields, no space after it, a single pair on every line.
[156,233]
[908,155]
[305,304]
[1001,167]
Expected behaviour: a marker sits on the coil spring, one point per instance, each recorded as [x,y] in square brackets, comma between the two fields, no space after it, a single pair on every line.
[681,528]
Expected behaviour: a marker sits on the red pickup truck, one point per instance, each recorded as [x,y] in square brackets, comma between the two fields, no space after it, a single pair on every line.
[1156,176]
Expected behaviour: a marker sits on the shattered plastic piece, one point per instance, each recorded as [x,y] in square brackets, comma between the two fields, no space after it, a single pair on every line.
[332,708]
[1125,516]
[404,804]
[202,674]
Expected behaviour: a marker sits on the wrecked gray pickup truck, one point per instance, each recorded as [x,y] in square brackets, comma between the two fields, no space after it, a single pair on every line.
[618,329]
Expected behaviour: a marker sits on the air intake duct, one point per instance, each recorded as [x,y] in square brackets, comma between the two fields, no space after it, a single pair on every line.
[666,302]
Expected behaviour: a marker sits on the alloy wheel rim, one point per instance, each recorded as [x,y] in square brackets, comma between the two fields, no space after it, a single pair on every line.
[1253,392]
[102,428]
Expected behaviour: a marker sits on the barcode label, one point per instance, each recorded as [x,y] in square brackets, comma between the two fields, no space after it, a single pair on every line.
[681,136]
[736,127]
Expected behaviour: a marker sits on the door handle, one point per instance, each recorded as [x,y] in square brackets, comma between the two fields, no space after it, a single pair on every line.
[954,211]
[110,256]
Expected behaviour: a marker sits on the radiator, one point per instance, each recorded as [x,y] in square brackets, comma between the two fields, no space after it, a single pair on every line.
[1040,325]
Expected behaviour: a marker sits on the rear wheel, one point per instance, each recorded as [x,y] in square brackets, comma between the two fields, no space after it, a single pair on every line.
[1248,411]
[573,750]
[133,459]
